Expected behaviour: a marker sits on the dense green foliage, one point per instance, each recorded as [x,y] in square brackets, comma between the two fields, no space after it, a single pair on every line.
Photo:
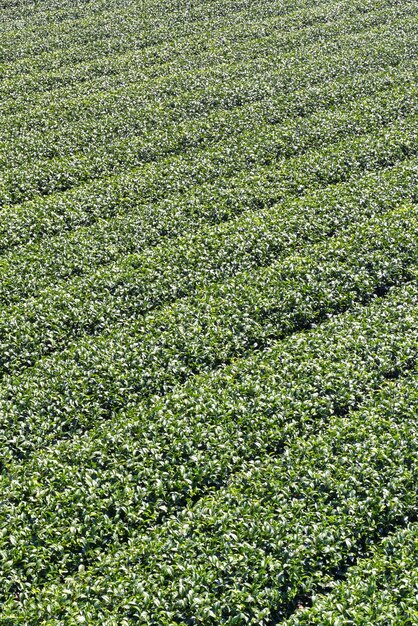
[382,590]
[208,312]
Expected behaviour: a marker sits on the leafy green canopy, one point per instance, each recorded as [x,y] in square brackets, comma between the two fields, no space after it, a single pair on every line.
[208,312]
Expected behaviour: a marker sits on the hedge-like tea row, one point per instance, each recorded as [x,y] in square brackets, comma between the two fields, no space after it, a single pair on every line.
[208,310]
[381,590]
[44,178]
[181,54]
[99,258]
[189,265]
[132,472]
[98,376]
[249,553]
[70,125]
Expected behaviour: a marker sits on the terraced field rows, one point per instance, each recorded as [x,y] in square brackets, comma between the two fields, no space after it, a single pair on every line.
[208,312]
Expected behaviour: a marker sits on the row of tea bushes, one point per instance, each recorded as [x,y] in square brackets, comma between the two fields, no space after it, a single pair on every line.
[80,495]
[49,176]
[95,377]
[381,590]
[100,258]
[119,294]
[284,526]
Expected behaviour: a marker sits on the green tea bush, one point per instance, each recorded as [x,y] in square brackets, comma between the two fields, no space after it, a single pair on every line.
[208,312]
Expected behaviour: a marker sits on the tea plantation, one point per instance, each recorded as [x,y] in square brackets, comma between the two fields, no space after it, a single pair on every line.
[209,312]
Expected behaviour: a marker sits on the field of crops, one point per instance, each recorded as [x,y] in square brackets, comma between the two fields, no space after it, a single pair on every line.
[209,312]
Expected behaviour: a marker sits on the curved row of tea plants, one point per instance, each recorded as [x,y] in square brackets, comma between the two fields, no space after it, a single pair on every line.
[54,175]
[281,528]
[189,266]
[381,590]
[208,311]
[95,377]
[102,256]
[83,495]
